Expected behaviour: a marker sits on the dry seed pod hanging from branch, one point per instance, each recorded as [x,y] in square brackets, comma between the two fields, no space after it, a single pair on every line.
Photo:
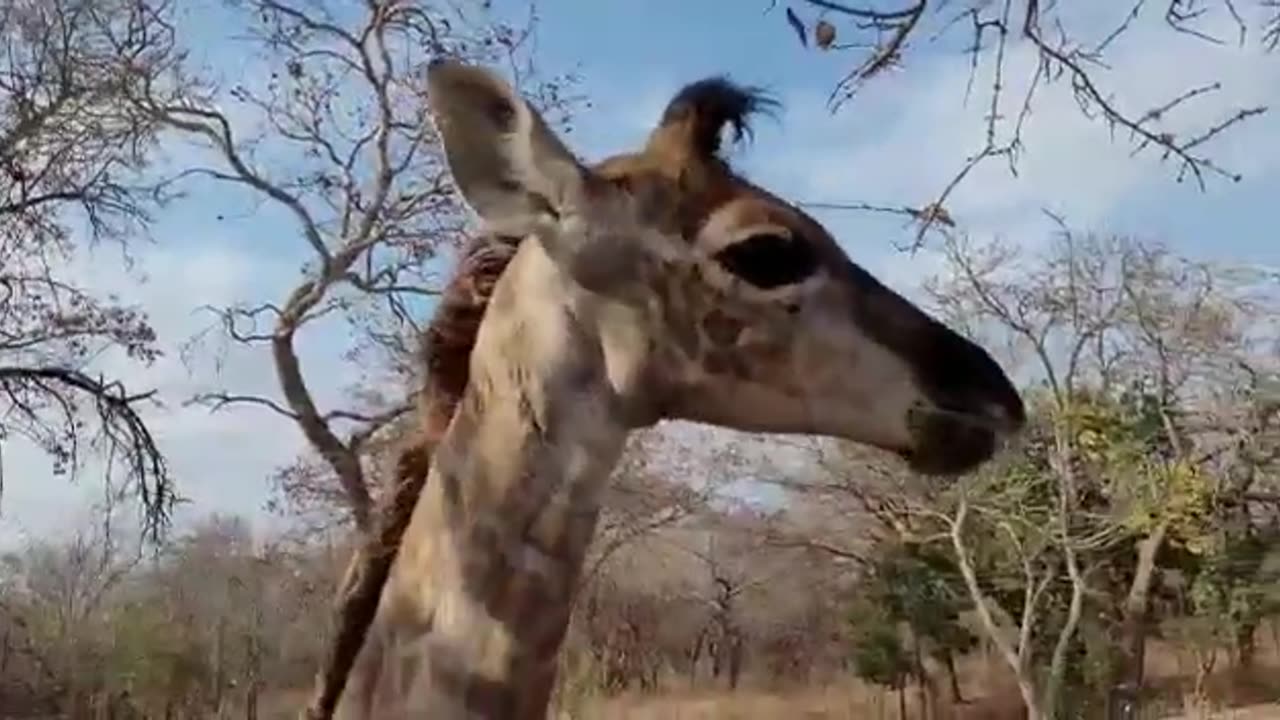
[824,34]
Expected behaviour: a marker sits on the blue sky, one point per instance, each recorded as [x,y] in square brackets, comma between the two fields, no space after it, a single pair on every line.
[897,143]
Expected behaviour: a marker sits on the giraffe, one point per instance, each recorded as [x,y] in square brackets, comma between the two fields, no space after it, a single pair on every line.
[658,284]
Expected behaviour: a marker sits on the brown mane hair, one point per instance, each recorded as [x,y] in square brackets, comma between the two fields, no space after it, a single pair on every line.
[685,147]
[449,338]
[446,354]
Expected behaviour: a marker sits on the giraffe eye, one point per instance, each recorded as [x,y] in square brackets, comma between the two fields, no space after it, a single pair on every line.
[769,261]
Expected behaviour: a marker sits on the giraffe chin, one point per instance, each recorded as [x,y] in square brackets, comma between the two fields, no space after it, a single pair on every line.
[949,442]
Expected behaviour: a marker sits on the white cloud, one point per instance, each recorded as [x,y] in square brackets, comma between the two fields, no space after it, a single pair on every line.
[220,460]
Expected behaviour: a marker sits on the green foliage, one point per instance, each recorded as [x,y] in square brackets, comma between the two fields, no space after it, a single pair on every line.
[878,654]
[1126,480]
[1231,590]
[1126,445]
[912,587]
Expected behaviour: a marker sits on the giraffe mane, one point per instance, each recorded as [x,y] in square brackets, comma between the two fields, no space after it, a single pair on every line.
[451,335]
[445,355]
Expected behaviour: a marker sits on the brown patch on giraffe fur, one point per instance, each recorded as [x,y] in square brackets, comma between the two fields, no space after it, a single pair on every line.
[519,557]
[722,361]
[721,328]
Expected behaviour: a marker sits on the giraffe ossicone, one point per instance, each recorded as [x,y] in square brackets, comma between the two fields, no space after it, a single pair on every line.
[654,285]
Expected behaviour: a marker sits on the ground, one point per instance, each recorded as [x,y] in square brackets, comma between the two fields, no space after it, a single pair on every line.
[1251,696]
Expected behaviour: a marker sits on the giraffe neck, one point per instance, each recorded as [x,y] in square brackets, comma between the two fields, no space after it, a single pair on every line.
[478,601]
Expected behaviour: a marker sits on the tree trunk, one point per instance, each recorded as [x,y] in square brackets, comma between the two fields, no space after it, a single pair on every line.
[219,671]
[921,678]
[735,660]
[953,676]
[695,656]
[1126,690]
[902,701]
[255,669]
[1026,688]
[1246,645]
[251,701]
[1058,664]
[1204,668]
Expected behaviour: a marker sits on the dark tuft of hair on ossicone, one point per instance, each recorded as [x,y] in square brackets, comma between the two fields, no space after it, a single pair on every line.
[713,104]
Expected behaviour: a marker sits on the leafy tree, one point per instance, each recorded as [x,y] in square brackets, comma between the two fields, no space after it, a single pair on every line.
[878,653]
[1127,342]
[922,589]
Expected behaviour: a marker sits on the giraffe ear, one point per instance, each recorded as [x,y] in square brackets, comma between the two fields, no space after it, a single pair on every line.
[508,165]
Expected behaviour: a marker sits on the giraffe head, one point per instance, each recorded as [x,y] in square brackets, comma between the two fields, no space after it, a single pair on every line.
[713,300]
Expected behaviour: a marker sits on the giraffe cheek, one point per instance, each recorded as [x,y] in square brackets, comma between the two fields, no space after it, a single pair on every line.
[771,346]
[726,363]
[721,328]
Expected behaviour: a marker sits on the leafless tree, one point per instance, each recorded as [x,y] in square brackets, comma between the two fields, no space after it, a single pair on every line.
[653,488]
[72,156]
[60,602]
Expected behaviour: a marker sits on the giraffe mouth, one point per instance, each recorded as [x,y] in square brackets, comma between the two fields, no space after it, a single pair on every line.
[952,442]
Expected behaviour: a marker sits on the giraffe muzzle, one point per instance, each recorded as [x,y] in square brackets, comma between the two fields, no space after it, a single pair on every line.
[952,442]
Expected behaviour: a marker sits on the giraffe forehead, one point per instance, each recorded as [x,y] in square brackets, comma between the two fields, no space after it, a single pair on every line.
[745,209]
[709,197]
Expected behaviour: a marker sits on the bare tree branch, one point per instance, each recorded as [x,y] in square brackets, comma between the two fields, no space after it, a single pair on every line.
[1061,55]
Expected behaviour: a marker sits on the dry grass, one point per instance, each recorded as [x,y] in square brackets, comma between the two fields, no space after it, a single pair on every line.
[984,681]
[841,702]
[986,685]
[1268,711]
[849,704]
